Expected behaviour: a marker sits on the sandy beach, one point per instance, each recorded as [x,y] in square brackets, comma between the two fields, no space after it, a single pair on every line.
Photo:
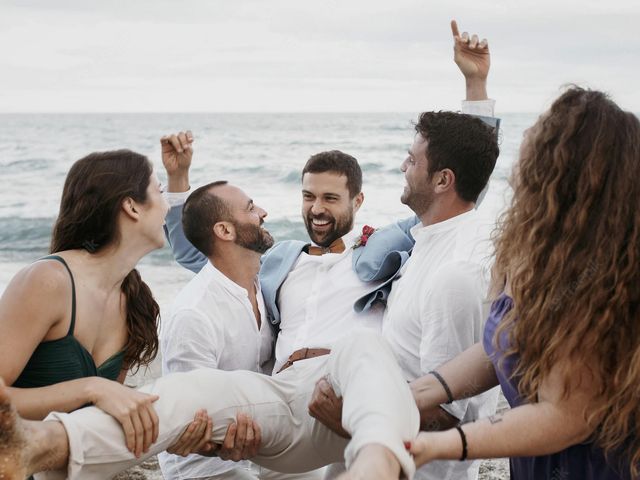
[149,470]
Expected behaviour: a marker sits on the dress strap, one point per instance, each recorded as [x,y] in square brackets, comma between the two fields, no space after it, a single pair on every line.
[73,290]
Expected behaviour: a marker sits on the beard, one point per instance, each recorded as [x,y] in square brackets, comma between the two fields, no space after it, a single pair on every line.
[418,202]
[253,237]
[337,227]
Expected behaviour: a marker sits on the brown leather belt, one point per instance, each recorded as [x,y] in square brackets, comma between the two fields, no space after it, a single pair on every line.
[303,354]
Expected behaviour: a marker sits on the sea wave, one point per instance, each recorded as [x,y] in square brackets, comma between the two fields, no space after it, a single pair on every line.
[26,165]
[25,239]
[20,237]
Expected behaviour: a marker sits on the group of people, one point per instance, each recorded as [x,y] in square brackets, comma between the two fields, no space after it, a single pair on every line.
[376,352]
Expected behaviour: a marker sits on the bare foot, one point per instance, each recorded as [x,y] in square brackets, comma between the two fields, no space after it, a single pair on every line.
[373,462]
[12,443]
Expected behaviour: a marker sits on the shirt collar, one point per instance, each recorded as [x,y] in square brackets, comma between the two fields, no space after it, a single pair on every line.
[444,226]
[232,287]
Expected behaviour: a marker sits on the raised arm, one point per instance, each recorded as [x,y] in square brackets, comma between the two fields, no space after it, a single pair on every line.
[473,59]
[386,249]
[177,152]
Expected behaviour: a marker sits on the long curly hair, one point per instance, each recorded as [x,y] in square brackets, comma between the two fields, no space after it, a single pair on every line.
[93,193]
[569,248]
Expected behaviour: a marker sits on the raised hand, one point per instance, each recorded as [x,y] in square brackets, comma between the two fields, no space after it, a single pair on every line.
[177,151]
[470,53]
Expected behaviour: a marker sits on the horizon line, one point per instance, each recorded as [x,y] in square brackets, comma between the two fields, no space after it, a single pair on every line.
[242,112]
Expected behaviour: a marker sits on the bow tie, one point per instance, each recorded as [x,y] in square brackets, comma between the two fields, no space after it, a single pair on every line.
[336,247]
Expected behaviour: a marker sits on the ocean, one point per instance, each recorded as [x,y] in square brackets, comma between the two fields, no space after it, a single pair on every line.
[263,153]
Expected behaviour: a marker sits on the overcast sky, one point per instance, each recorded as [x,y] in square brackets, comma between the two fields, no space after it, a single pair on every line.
[302,55]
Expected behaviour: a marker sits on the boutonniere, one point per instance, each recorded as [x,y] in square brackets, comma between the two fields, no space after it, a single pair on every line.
[367,231]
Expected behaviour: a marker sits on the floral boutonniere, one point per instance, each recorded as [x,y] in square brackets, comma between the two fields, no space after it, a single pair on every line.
[367,231]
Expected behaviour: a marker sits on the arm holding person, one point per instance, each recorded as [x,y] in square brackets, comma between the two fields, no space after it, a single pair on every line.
[555,422]
[26,323]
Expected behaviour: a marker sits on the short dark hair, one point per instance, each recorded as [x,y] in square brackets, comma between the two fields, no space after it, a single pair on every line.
[463,143]
[340,163]
[202,210]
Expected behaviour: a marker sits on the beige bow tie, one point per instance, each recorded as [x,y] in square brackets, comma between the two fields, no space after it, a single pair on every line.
[336,247]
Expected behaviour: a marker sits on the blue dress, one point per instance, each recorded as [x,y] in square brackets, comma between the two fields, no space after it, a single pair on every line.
[584,461]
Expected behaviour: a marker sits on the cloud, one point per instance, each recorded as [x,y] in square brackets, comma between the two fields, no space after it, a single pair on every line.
[284,55]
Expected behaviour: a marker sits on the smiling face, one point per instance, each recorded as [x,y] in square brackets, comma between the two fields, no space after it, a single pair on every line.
[327,208]
[418,192]
[247,219]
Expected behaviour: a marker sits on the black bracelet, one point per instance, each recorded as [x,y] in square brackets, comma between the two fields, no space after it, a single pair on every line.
[444,385]
[463,437]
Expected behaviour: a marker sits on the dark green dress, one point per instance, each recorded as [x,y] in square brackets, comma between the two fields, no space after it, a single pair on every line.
[65,358]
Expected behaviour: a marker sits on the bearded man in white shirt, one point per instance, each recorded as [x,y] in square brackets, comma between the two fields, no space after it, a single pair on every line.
[217,320]
[438,299]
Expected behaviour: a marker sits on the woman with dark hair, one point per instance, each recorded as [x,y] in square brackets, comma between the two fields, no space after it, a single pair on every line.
[74,322]
[563,337]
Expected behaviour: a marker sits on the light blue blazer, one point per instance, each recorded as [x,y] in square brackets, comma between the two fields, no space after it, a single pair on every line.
[386,251]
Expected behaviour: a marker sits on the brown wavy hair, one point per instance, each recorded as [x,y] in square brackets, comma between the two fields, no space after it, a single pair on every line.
[93,193]
[569,248]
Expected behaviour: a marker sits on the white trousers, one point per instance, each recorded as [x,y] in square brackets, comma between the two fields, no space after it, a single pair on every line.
[378,409]
[261,473]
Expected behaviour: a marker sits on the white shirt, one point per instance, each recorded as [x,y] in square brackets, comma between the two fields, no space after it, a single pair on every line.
[212,325]
[437,309]
[316,299]
[316,302]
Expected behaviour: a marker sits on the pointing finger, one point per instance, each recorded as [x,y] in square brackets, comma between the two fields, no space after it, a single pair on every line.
[454,29]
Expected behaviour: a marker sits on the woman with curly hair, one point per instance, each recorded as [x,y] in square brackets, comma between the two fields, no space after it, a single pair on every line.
[563,335]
